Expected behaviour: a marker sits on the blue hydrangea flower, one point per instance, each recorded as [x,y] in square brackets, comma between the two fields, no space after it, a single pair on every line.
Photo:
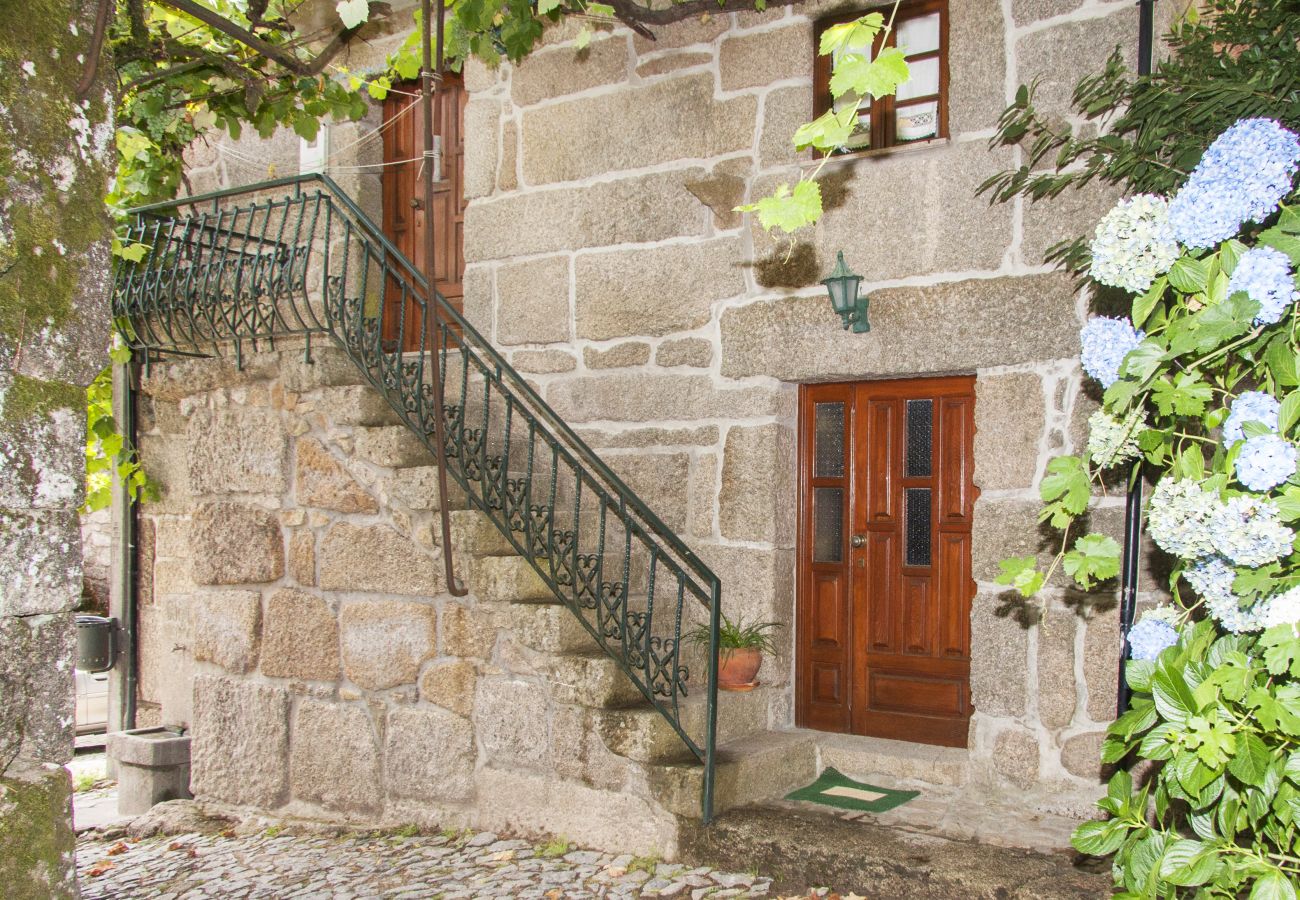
[1105,343]
[1212,579]
[1265,462]
[1241,178]
[1248,531]
[1265,275]
[1252,406]
[1149,637]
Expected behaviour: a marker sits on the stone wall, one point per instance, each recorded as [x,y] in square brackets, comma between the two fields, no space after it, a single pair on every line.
[293,615]
[603,255]
[604,259]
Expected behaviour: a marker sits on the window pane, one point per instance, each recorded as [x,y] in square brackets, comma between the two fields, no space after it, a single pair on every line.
[828,421]
[916,509]
[919,35]
[828,524]
[920,429]
[916,123]
[924,80]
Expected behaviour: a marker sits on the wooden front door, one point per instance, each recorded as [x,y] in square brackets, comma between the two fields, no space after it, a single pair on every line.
[403,194]
[885,587]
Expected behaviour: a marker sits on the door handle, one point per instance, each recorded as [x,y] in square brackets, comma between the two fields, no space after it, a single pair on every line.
[858,540]
[417,203]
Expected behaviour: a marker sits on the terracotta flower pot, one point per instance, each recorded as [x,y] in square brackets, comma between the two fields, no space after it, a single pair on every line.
[737,668]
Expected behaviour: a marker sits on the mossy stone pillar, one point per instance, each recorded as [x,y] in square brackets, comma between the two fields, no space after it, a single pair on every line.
[55,152]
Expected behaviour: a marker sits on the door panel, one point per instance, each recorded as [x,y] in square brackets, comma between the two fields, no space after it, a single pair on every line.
[403,196]
[824,590]
[897,586]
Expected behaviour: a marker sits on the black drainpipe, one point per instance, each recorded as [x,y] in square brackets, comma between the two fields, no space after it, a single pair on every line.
[1133,502]
[132,541]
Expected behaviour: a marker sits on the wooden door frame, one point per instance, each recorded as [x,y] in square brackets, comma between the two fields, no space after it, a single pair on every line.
[854,656]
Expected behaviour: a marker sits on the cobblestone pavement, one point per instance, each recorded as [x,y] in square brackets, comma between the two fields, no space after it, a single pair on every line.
[388,865]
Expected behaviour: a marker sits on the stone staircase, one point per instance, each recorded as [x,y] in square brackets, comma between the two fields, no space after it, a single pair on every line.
[614,739]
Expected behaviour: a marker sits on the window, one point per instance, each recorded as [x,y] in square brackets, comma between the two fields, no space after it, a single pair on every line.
[919,112]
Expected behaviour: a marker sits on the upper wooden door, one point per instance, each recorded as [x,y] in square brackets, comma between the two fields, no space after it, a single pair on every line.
[403,194]
[885,587]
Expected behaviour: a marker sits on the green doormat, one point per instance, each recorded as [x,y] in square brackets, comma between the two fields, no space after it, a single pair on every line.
[834,789]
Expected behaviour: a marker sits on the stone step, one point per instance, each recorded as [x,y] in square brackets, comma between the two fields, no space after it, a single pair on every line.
[354,404]
[643,735]
[548,628]
[391,446]
[474,532]
[416,488]
[507,579]
[593,680]
[862,757]
[762,766]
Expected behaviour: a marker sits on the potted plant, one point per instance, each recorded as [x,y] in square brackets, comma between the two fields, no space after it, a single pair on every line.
[740,647]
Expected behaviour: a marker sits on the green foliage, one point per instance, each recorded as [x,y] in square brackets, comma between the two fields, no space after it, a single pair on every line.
[853,76]
[553,848]
[1233,59]
[789,210]
[737,635]
[1220,812]
[182,78]
[106,450]
[1217,713]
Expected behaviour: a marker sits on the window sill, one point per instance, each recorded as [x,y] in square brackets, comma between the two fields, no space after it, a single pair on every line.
[878,152]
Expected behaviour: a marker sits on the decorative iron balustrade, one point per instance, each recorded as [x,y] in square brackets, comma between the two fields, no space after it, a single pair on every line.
[297,256]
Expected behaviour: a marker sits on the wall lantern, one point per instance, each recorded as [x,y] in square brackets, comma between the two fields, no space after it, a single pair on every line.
[843,287]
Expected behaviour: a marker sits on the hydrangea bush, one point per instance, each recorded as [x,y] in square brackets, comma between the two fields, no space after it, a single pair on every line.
[1202,386]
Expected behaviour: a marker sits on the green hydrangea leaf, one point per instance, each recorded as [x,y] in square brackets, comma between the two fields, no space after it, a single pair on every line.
[1099,838]
[1273,885]
[1189,275]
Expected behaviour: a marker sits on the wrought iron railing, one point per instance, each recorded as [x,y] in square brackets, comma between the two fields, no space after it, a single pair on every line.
[297,256]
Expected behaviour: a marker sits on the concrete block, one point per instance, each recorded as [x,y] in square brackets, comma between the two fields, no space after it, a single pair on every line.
[153,765]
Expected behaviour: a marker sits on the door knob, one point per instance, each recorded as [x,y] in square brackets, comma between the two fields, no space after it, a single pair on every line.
[858,540]
[416,203]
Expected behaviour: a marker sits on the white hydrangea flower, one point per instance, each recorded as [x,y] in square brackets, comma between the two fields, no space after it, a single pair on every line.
[1170,615]
[1178,518]
[1111,441]
[1134,244]
[1283,609]
[1249,532]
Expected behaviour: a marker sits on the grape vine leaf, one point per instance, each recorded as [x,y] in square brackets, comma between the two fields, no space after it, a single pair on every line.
[786,209]
[353,12]
[1095,557]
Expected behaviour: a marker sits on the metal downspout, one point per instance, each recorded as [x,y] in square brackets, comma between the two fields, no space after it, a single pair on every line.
[428,157]
[124,589]
[1133,502]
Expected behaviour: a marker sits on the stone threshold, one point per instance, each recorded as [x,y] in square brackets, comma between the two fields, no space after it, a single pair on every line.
[950,806]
